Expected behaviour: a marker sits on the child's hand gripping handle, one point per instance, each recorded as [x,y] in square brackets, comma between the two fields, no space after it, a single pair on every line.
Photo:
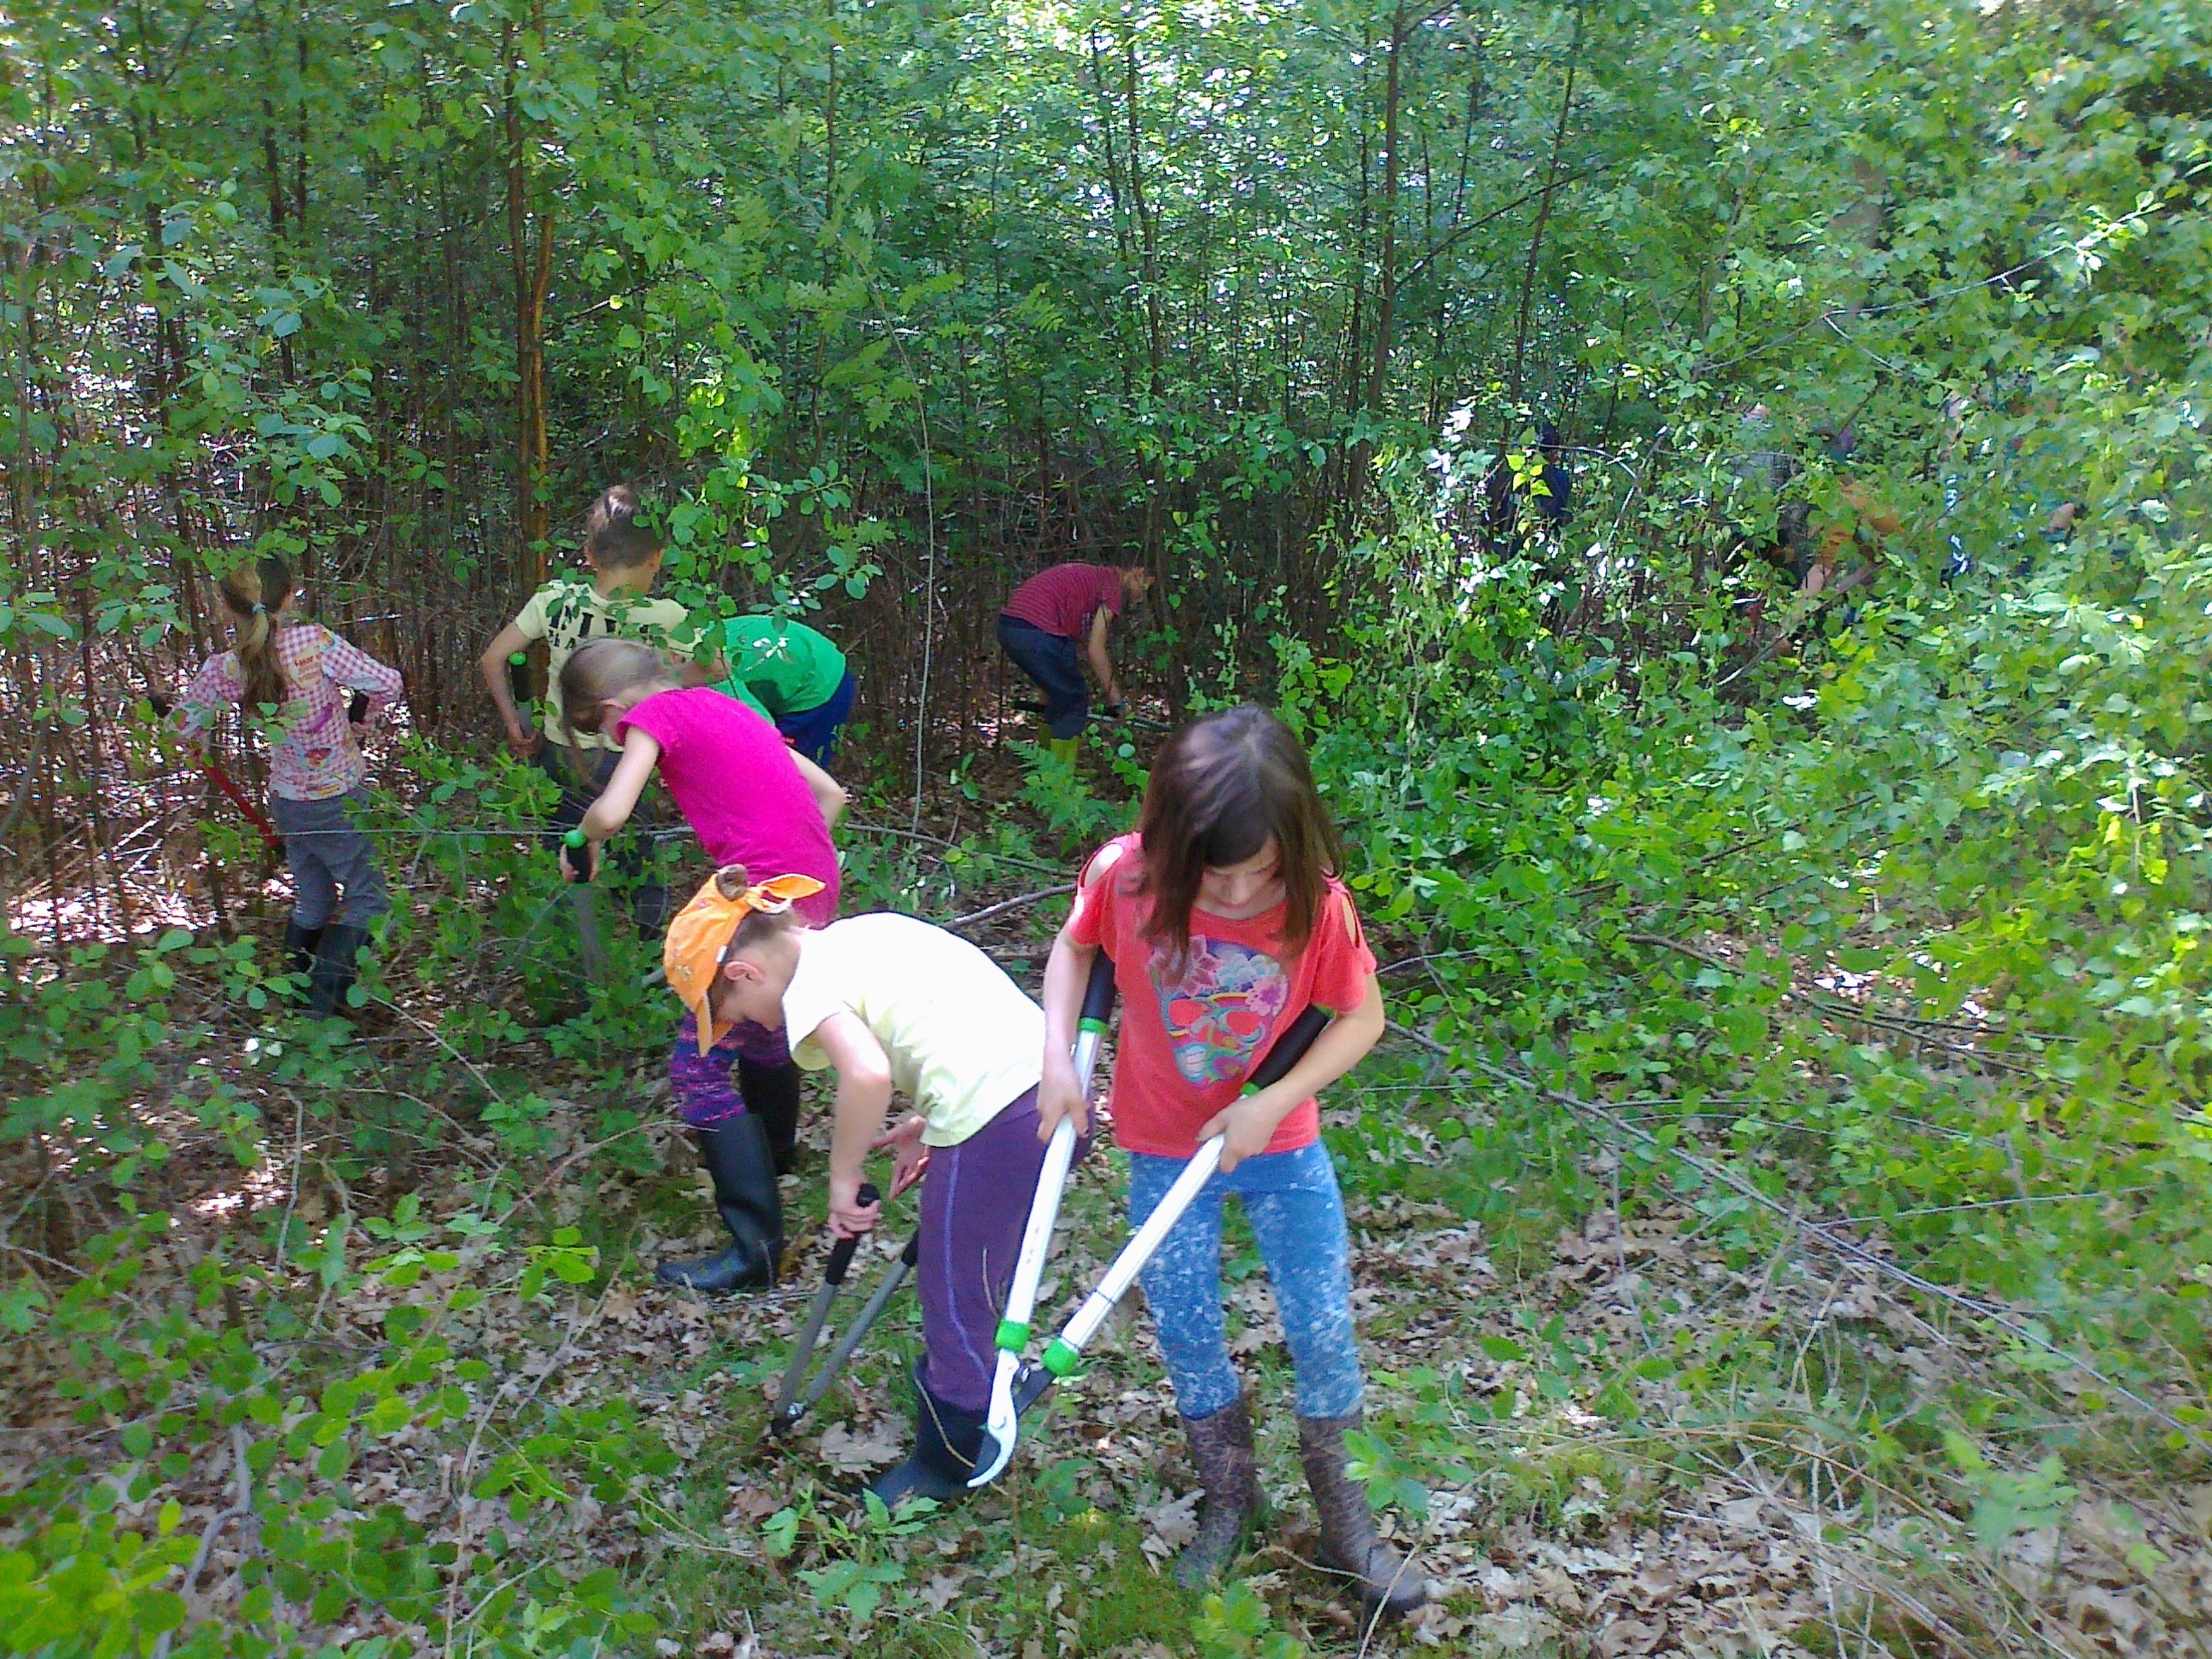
[840,1254]
[576,855]
[1065,1353]
[1013,1336]
[357,709]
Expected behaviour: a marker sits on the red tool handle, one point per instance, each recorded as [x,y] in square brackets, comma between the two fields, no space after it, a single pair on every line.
[254,815]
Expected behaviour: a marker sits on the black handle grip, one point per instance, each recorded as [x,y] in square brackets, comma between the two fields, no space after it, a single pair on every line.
[1098,992]
[581,859]
[1289,1048]
[912,1254]
[518,675]
[159,704]
[357,709]
[840,1253]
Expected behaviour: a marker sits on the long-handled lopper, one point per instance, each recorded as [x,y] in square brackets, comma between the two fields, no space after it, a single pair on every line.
[1044,1209]
[1062,1356]
[1111,712]
[356,711]
[792,1402]
[587,903]
[787,1405]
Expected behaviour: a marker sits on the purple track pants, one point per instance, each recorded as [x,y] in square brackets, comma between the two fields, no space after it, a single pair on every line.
[974,1205]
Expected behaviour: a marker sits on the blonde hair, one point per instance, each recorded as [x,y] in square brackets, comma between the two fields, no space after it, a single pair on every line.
[600,669]
[255,593]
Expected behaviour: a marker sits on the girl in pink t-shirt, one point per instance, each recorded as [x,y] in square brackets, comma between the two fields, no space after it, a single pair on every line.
[753,801]
[1224,920]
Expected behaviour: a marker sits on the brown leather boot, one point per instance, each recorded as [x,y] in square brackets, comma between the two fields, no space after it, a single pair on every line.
[1221,1450]
[1349,1542]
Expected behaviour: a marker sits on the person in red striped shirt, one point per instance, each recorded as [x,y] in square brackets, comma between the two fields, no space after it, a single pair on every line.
[1056,620]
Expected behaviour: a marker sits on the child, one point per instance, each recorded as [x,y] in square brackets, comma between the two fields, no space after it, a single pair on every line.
[300,674]
[625,557]
[1225,918]
[1056,619]
[793,675]
[895,1004]
[752,800]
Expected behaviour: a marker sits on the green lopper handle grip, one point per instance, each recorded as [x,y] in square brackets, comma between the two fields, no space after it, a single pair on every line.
[576,842]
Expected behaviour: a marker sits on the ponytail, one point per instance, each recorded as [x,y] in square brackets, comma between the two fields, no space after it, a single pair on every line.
[613,537]
[255,593]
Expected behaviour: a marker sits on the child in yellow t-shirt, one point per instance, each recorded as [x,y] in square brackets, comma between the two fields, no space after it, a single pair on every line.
[894,1004]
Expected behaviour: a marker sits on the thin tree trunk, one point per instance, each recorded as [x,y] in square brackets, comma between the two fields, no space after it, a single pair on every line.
[531,254]
[1543,206]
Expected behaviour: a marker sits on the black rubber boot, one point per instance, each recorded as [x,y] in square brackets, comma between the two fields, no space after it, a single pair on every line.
[735,1156]
[1221,1448]
[1350,1544]
[299,947]
[771,1094]
[948,1446]
[332,974]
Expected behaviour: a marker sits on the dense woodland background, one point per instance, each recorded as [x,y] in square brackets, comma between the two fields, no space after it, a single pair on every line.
[1782,1206]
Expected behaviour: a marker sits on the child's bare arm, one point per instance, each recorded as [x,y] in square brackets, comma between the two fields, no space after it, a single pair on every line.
[1059,1094]
[1251,1122]
[640,754]
[493,666]
[864,1097]
[828,793]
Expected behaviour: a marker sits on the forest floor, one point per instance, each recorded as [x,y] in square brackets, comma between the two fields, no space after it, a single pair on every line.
[1614,1424]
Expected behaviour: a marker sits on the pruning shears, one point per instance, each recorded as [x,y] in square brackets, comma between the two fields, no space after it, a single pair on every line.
[1014,1333]
[575,852]
[1112,711]
[794,1396]
[1062,1356]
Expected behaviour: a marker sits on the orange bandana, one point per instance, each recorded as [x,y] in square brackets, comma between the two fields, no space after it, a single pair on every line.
[698,940]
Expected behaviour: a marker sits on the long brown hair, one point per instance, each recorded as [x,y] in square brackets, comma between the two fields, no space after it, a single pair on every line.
[255,593]
[613,537]
[1219,788]
[601,669]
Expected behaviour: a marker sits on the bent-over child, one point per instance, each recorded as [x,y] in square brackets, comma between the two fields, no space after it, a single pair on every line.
[1224,918]
[623,557]
[298,676]
[795,676]
[753,801]
[897,1006]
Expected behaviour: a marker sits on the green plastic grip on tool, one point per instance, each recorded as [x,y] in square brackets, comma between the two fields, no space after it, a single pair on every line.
[575,842]
[1013,1336]
[1088,1024]
[518,658]
[1061,1360]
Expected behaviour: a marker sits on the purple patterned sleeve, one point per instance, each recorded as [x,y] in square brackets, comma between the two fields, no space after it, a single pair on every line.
[704,1094]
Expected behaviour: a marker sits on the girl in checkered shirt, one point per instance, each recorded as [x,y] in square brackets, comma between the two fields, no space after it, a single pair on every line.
[294,681]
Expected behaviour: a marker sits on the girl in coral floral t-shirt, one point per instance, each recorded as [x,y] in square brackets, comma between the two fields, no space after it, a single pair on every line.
[1224,920]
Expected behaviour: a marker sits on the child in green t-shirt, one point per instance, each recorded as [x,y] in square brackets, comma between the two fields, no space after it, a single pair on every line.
[793,675]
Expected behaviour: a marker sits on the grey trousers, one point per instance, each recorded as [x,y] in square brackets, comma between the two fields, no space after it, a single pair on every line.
[334,869]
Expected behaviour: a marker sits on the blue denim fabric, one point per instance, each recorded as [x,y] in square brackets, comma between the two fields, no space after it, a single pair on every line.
[333,862]
[813,732]
[1296,1216]
[1057,665]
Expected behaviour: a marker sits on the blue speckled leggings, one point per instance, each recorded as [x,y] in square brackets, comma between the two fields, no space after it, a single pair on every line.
[1297,1220]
